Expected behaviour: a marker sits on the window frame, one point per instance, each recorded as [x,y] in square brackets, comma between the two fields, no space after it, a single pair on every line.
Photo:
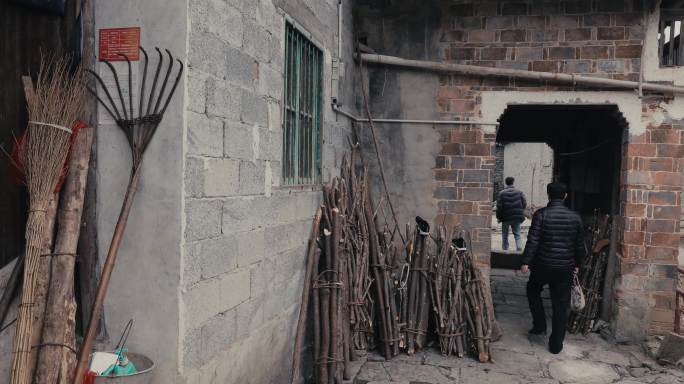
[292,164]
[672,16]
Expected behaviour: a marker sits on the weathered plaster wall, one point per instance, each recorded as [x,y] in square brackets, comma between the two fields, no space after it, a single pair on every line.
[144,285]
[246,233]
[584,37]
[530,164]
[408,150]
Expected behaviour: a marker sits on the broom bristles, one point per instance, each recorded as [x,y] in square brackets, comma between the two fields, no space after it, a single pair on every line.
[54,106]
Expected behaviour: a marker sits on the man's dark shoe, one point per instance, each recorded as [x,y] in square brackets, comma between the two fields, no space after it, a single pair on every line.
[555,349]
[535,331]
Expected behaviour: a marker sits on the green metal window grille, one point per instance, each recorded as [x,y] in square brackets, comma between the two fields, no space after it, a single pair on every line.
[301,109]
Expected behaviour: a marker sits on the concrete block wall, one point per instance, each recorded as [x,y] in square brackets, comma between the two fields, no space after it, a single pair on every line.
[596,38]
[245,233]
[144,283]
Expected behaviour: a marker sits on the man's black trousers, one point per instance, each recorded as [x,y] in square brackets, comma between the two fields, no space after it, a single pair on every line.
[559,281]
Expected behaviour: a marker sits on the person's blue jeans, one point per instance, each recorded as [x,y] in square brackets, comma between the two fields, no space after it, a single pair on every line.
[515,228]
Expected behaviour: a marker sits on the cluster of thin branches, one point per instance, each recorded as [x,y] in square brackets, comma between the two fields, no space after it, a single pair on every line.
[592,275]
[356,251]
[448,295]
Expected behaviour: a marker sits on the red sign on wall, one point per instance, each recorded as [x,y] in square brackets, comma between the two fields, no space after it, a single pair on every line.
[114,41]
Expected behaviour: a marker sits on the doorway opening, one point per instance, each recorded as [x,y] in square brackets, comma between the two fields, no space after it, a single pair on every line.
[578,145]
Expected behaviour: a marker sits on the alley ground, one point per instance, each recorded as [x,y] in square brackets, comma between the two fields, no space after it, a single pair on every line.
[521,359]
[497,240]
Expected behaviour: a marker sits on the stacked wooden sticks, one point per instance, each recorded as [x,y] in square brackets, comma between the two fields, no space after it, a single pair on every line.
[464,318]
[350,278]
[328,283]
[479,314]
[415,315]
[367,290]
[356,250]
[383,258]
[592,275]
[448,295]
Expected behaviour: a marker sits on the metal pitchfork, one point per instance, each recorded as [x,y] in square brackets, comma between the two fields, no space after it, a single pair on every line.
[139,132]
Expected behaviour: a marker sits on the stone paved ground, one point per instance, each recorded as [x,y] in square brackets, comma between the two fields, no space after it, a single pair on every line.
[521,359]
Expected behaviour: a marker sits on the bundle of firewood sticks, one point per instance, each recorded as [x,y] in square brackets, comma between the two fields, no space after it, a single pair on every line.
[416,309]
[368,291]
[592,274]
[461,301]
[448,295]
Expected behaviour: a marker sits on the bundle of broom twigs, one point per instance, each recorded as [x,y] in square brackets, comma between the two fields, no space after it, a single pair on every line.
[54,106]
[592,275]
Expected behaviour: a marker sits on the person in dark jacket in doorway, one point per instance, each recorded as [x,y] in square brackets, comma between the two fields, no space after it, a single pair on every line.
[510,211]
[554,251]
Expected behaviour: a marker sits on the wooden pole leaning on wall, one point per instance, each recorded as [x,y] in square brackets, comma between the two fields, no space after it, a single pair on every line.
[43,282]
[58,344]
[306,293]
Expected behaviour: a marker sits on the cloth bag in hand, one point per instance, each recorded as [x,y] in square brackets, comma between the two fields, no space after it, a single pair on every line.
[577,301]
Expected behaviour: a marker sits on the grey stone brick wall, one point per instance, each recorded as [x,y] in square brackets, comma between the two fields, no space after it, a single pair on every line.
[245,233]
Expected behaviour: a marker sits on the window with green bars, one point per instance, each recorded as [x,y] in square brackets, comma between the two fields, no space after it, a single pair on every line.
[301,109]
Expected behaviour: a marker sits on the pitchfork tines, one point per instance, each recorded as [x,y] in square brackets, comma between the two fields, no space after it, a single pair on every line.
[139,130]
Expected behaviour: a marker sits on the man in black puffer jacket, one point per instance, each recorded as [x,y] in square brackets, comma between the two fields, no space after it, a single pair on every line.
[510,211]
[554,251]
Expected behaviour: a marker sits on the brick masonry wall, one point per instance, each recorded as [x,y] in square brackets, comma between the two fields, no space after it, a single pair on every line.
[498,176]
[650,209]
[245,234]
[594,38]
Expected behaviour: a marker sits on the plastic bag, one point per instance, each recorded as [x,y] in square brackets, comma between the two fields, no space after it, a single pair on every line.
[577,301]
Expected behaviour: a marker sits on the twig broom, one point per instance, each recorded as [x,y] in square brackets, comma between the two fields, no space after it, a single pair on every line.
[56,104]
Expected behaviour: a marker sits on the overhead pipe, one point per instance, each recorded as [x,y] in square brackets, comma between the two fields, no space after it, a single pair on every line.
[516,73]
[339,29]
[342,112]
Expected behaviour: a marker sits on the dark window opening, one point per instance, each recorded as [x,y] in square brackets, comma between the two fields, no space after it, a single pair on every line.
[20,53]
[670,45]
[302,109]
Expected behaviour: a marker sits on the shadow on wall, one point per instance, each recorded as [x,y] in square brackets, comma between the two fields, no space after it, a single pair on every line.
[408,150]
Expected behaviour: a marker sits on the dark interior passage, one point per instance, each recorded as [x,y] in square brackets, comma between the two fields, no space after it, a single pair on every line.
[586,141]
[27,33]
